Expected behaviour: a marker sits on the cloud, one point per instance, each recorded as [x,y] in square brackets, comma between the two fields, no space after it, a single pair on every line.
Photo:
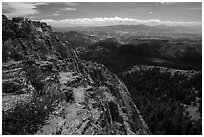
[192,8]
[170,3]
[70,4]
[68,9]
[104,21]
[13,9]
[40,3]
[150,12]
[63,10]
[55,14]
[154,21]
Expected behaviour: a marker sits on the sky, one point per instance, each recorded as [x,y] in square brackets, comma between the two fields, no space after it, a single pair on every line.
[70,14]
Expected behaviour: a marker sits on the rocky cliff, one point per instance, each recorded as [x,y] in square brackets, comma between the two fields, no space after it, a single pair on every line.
[47,89]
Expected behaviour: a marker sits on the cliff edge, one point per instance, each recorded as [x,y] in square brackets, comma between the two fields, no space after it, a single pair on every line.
[47,89]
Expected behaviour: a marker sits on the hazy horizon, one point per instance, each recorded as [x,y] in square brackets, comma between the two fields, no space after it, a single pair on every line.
[73,14]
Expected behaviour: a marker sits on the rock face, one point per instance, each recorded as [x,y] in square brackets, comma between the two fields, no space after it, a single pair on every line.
[47,89]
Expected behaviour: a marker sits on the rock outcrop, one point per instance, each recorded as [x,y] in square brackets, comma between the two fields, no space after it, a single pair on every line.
[139,68]
[47,89]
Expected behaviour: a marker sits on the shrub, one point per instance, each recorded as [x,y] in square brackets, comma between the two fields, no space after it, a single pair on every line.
[27,118]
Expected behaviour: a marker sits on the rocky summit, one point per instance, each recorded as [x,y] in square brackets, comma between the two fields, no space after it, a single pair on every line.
[48,90]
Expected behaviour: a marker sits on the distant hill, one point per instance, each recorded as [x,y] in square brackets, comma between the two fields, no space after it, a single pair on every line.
[135,28]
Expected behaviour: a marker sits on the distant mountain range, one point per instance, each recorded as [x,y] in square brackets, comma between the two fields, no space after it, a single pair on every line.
[135,28]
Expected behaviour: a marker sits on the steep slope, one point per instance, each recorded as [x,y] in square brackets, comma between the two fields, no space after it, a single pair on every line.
[170,100]
[77,39]
[47,89]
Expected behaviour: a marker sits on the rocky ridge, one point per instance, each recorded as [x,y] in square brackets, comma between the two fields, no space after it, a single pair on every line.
[138,68]
[47,89]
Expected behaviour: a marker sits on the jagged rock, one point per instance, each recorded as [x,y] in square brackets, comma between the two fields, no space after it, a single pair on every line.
[18,19]
[66,95]
[4,18]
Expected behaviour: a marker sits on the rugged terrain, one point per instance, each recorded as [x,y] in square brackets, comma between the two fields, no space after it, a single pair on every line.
[170,100]
[161,67]
[47,89]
